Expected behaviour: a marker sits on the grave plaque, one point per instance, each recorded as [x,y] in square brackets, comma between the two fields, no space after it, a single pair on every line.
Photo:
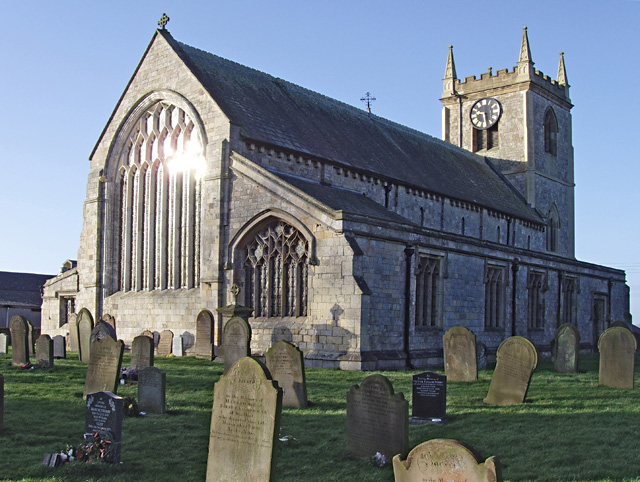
[59,347]
[44,351]
[151,390]
[517,358]
[4,344]
[19,340]
[73,332]
[377,419]
[178,346]
[429,395]
[236,337]
[166,342]
[286,365]
[441,460]
[141,352]
[101,330]
[85,326]
[103,371]
[566,348]
[203,347]
[245,421]
[104,412]
[617,347]
[459,346]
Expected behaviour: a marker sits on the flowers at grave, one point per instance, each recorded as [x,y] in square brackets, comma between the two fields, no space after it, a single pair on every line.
[97,447]
[130,407]
[378,460]
[129,374]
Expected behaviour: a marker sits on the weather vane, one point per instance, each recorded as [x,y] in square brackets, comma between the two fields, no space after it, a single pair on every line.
[368,99]
[163,21]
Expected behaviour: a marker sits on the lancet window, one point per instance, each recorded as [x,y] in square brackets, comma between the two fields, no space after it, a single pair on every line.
[428,292]
[276,271]
[550,132]
[494,296]
[159,202]
[535,304]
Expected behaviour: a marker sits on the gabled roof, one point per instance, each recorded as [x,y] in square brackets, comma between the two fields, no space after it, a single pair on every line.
[276,112]
[21,289]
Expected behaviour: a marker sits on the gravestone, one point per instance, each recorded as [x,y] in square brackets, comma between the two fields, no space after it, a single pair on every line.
[166,342]
[482,356]
[102,329]
[203,347]
[377,419]
[109,319]
[617,347]
[73,332]
[178,346]
[141,352]
[1,401]
[459,346]
[236,337]
[19,340]
[566,348]
[103,371]
[441,460]
[151,390]
[85,326]
[148,333]
[4,344]
[104,412]
[32,345]
[59,347]
[44,351]
[245,422]
[516,360]
[429,396]
[286,365]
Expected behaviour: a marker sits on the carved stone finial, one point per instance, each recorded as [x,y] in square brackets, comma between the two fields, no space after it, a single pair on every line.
[163,21]
[525,62]
[235,289]
[562,71]
[450,70]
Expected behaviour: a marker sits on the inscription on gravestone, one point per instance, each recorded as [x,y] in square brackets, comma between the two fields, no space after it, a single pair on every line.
[44,351]
[617,347]
[286,365]
[19,341]
[141,352]
[236,337]
[429,395]
[377,419]
[104,411]
[165,343]
[151,390]
[459,346]
[103,371]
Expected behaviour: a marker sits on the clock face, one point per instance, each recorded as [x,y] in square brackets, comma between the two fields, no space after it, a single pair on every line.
[485,113]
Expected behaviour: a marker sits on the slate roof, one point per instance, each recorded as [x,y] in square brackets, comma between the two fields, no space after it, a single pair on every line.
[270,110]
[21,289]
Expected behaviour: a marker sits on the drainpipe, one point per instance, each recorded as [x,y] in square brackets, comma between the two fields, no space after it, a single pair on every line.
[514,273]
[408,253]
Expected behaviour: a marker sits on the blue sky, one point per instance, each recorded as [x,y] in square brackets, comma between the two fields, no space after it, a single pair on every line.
[64,65]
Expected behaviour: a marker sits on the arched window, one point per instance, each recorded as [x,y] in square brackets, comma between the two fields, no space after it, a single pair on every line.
[276,271]
[553,229]
[550,132]
[159,202]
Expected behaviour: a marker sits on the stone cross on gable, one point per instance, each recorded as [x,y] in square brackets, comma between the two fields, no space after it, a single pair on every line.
[234,291]
[163,21]
[368,99]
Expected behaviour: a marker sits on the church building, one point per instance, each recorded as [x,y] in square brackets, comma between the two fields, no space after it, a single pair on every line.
[356,238]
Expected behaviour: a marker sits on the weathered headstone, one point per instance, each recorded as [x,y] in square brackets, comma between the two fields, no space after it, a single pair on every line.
[617,348]
[517,358]
[566,348]
[151,390]
[203,347]
[19,340]
[444,460]
[482,355]
[459,346]
[73,332]
[166,343]
[44,351]
[85,326]
[32,345]
[245,422]
[141,352]
[377,419]
[104,412]
[102,329]
[107,318]
[148,333]
[236,337]
[429,396]
[103,371]
[178,346]
[4,344]
[286,365]
[59,347]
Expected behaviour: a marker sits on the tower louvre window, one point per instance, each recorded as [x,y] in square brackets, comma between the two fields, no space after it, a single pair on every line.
[486,139]
[550,132]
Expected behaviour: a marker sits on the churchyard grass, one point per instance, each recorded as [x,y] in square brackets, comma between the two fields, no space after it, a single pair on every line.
[569,428]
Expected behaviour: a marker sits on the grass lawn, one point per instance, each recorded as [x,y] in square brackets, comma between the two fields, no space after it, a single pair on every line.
[569,429]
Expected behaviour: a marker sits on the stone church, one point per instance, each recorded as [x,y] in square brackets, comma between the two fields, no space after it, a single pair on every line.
[358,239]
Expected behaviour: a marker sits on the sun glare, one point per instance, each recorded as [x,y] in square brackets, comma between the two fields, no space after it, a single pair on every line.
[190,159]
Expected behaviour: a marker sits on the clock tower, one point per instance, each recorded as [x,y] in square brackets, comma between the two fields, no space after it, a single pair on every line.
[520,121]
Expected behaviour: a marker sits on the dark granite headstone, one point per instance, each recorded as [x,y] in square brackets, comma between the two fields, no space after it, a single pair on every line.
[107,318]
[44,351]
[4,344]
[245,422]
[102,329]
[236,337]
[166,343]
[85,326]
[104,411]
[617,347]
[566,348]
[103,371]
[141,352]
[429,396]
[459,347]
[151,390]
[19,340]
[203,347]
[377,419]
[59,347]
[286,365]
[517,358]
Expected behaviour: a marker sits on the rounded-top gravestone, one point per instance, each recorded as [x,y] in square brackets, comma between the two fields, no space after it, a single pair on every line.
[566,348]
[236,337]
[85,326]
[19,328]
[459,347]
[617,347]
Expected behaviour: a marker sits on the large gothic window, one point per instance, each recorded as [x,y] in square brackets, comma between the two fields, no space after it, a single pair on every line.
[159,202]
[550,132]
[276,271]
